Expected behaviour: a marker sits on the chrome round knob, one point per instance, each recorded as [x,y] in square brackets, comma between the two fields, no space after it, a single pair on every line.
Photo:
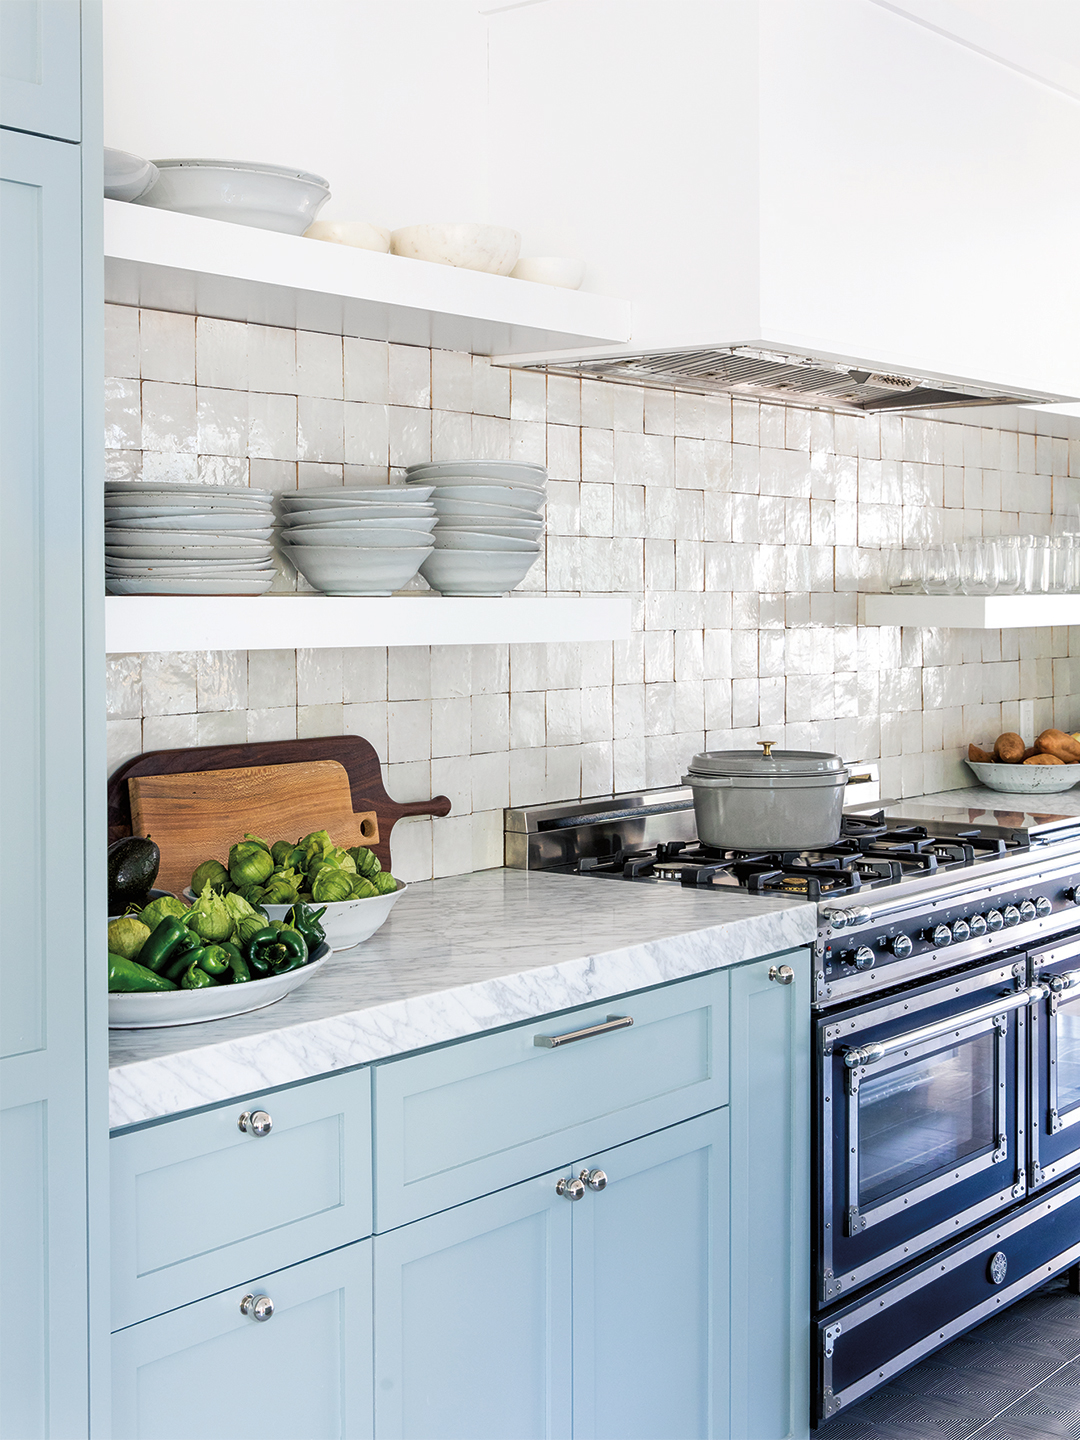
[570,1189]
[1027,910]
[257,1307]
[782,974]
[994,920]
[940,935]
[1043,907]
[977,925]
[1011,915]
[594,1179]
[864,958]
[859,915]
[901,946]
[835,917]
[255,1122]
[961,930]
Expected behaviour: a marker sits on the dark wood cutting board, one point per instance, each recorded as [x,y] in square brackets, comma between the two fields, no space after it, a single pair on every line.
[352,751]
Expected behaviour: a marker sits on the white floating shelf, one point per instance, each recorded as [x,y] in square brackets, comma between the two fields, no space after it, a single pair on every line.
[136,624]
[972,612]
[166,261]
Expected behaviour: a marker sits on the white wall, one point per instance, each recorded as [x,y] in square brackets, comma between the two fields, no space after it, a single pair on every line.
[385,98]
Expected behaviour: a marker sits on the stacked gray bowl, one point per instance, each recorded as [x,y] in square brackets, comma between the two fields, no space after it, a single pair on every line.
[360,540]
[490,520]
[187,539]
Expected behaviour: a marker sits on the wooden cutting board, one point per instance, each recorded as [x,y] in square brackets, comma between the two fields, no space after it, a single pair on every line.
[200,815]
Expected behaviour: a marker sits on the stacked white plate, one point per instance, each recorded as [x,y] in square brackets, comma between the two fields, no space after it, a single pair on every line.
[187,539]
[490,520]
[360,540]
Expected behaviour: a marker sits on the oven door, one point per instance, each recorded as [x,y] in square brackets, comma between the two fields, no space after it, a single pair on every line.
[920,1118]
[1055,1064]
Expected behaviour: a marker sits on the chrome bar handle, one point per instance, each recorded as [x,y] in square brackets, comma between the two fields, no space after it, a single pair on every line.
[613,1022]
[870,1054]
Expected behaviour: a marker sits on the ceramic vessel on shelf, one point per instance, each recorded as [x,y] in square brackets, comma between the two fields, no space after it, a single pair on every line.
[491,248]
[556,270]
[269,197]
[1026,779]
[157,1009]
[475,572]
[356,569]
[357,233]
[127,176]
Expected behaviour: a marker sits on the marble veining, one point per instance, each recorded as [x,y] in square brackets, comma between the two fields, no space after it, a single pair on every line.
[458,956]
[976,797]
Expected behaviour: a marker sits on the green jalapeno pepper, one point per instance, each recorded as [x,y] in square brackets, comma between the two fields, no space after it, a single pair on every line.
[196,978]
[163,942]
[303,918]
[180,958]
[129,975]
[278,950]
[213,959]
[238,967]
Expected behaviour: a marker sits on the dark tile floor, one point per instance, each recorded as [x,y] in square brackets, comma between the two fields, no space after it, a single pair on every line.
[1016,1377]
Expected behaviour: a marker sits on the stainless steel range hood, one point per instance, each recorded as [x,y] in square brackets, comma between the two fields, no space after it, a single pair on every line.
[788,378]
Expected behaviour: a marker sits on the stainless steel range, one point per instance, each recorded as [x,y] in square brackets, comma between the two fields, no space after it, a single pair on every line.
[946,1023]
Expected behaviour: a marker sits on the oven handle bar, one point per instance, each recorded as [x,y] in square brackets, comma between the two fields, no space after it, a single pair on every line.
[878,1049]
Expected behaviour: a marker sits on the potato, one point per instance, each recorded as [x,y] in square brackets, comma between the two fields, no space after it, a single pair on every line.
[1009,748]
[1029,752]
[1044,759]
[981,757]
[1056,742]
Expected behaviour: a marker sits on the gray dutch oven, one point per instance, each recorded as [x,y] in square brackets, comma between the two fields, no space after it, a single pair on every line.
[778,800]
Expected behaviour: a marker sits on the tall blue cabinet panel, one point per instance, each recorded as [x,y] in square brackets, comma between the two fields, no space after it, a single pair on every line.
[43,1153]
[651,1288]
[210,1371]
[40,67]
[472,1321]
[770,1199]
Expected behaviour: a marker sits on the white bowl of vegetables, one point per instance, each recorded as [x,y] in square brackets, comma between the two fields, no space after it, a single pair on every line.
[347,889]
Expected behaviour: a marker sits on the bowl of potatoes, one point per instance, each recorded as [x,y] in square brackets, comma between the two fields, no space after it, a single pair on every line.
[1049,766]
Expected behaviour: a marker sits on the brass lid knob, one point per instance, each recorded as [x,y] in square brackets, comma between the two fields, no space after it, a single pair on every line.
[766,748]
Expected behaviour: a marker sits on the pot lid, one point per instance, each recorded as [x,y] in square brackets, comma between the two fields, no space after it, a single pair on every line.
[766,761]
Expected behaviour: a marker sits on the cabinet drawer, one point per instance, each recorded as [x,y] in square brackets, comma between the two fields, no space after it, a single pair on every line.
[197,1204]
[472,1118]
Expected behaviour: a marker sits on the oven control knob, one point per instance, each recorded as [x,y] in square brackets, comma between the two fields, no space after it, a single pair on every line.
[835,917]
[901,946]
[1027,910]
[940,935]
[864,958]
[994,920]
[1043,907]
[977,924]
[1012,915]
[961,930]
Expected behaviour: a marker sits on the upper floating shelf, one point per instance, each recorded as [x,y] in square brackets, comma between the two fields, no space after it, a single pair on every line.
[166,261]
[138,624]
[972,612]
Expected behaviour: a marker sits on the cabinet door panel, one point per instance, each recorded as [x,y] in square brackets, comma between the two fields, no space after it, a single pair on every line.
[651,1288]
[472,1329]
[465,1120]
[770,1200]
[39,67]
[43,1193]
[273,1199]
[209,1371]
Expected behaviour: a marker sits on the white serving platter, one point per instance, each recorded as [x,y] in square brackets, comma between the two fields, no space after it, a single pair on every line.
[155,1009]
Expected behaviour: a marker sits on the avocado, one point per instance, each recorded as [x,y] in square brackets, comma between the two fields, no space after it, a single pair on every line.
[133,866]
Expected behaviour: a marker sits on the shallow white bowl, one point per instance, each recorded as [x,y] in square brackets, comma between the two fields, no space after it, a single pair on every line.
[473,510]
[355,569]
[175,489]
[270,197]
[475,572]
[520,529]
[348,922]
[402,539]
[194,568]
[243,522]
[516,471]
[127,175]
[405,514]
[157,1008]
[247,550]
[491,248]
[360,234]
[356,495]
[1026,779]
[348,516]
[475,540]
[558,270]
[517,496]
[440,482]
[172,585]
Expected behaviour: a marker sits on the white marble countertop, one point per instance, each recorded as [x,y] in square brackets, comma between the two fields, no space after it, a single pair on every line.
[976,797]
[457,957]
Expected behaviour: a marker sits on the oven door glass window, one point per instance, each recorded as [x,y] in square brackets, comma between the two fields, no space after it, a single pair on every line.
[1068,1058]
[919,1119]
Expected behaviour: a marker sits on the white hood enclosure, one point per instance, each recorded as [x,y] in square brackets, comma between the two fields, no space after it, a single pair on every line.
[775,182]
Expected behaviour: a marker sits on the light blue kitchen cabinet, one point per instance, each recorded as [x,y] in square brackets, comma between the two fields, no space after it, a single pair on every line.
[650,1294]
[40,67]
[47,763]
[210,1371]
[473,1320]
[770,1199]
